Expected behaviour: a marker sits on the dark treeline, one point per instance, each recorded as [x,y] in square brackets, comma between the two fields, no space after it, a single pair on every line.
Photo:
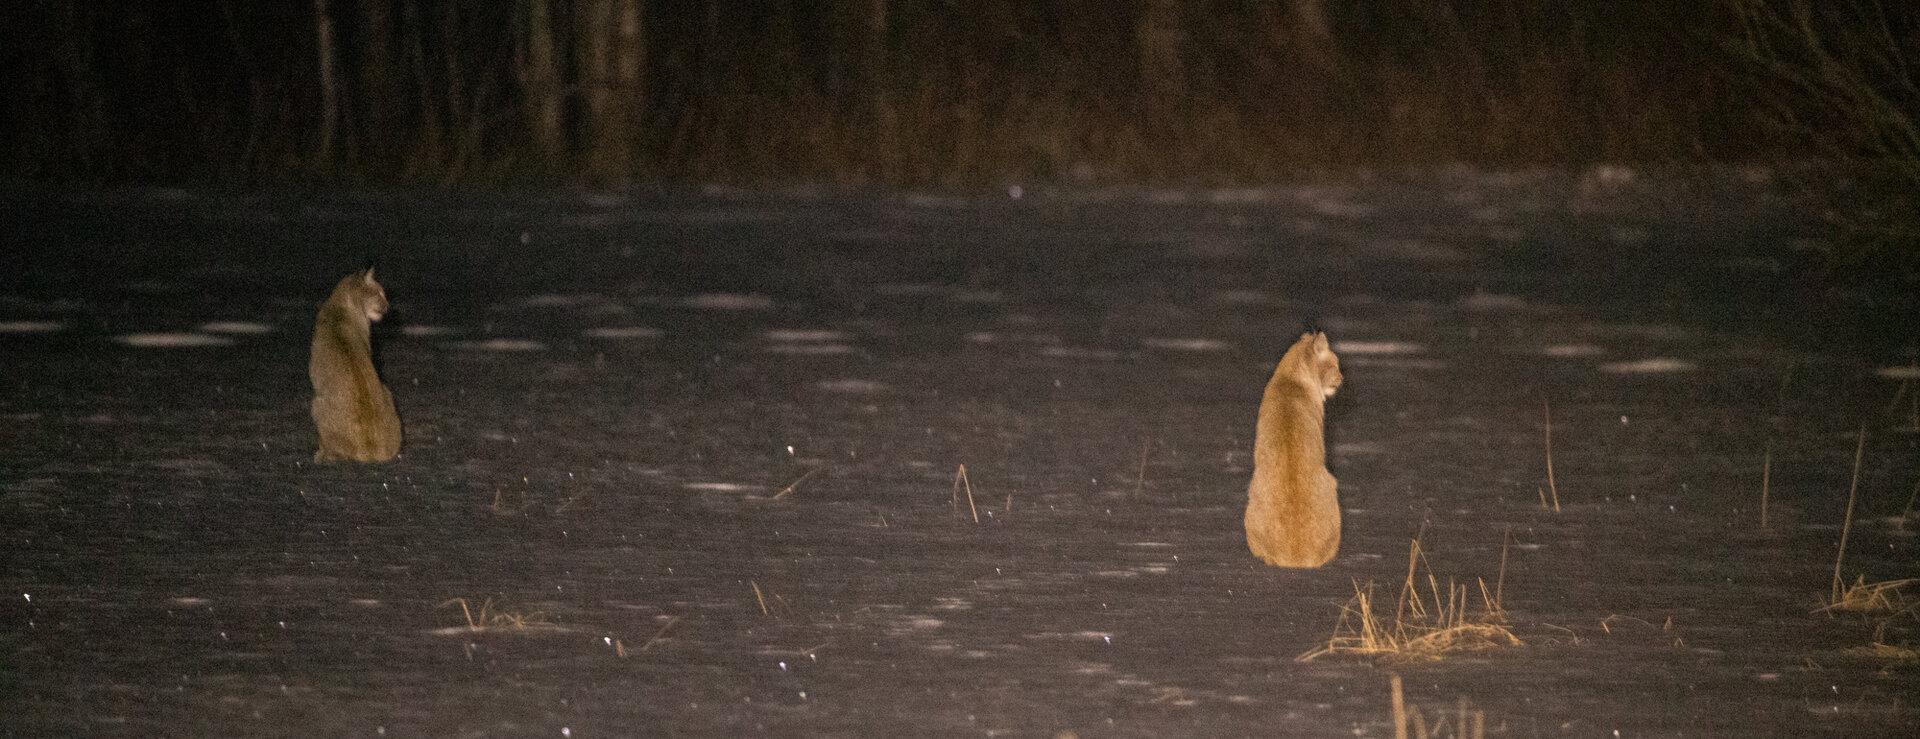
[909,91]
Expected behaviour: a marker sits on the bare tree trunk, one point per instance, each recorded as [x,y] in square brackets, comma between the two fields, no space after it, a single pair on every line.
[539,85]
[1306,58]
[611,58]
[630,95]
[85,120]
[1312,37]
[1158,38]
[379,98]
[873,77]
[458,107]
[592,37]
[430,132]
[329,82]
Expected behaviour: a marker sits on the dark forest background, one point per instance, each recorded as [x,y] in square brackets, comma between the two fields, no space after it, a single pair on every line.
[938,91]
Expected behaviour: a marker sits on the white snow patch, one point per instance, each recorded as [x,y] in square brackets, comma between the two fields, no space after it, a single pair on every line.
[31,327]
[1607,179]
[1358,448]
[1909,372]
[907,289]
[1398,363]
[1186,345]
[575,300]
[1333,203]
[175,340]
[1242,195]
[729,301]
[500,345]
[605,199]
[925,622]
[1376,348]
[1244,297]
[188,600]
[622,332]
[1072,352]
[725,487]
[236,327]
[1572,350]
[1493,301]
[989,337]
[428,331]
[1655,365]
[806,334]
[1416,250]
[978,296]
[852,386]
[810,350]
[1656,331]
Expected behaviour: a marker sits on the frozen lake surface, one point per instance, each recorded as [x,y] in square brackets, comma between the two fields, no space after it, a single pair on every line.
[684,464]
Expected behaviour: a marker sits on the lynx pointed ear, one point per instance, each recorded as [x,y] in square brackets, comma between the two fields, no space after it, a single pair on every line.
[1320,343]
[367,276]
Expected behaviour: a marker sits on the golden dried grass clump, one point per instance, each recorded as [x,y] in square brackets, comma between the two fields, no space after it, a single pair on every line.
[1423,626]
[1870,598]
[493,619]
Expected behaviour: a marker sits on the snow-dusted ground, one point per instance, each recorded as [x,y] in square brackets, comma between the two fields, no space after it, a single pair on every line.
[695,456]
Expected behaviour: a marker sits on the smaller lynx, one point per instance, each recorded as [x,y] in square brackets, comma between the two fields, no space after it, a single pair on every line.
[1293,516]
[352,409]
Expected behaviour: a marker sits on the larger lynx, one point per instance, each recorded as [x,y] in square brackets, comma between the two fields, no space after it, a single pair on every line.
[1293,516]
[352,409]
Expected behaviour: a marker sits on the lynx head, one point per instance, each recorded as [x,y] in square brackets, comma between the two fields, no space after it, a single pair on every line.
[1316,365]
[369,296]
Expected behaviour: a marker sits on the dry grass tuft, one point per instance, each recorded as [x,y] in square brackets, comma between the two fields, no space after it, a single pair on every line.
[1869,598]
[1424,626]
[1884,652]
[491,619]
[771,604]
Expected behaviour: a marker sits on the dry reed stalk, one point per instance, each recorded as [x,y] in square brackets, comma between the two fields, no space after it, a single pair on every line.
[1399,710]
[662,632]
[1140,477]
[1766,480]
[1847,527]
[1886,652]
[1500,585]
[1547,408]
[757,596]
[796,483]
[959,479]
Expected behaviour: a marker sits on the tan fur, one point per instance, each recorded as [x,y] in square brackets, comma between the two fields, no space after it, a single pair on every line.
[352,409]
[1293,515]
